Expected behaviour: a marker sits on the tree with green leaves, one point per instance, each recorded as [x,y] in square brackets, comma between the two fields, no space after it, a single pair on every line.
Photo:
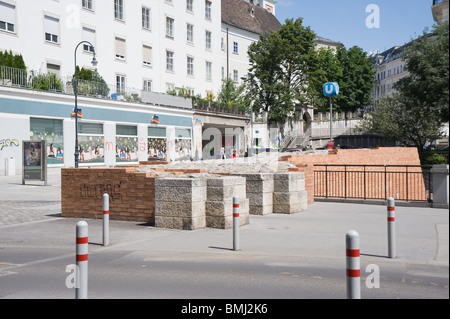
[232,96]
[286,70]
[324,67]
[15,61]
[350,68]
[278,69]
[416,113]
[427,61]
[357,80]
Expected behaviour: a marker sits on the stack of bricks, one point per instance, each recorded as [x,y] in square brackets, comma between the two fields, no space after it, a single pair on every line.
[180,203]
[219,203]
[289,195]
[131,194]
[259,187]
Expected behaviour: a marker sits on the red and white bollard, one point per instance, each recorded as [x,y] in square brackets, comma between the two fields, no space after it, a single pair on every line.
[391,227]
[81,289]
[353,271]
[105,219]
[235,223]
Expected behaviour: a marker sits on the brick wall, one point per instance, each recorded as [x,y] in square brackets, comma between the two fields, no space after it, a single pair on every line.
[308,170]
[375,156]
[131,194]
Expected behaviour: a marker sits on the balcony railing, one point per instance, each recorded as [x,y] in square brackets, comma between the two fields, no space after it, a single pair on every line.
[52,83]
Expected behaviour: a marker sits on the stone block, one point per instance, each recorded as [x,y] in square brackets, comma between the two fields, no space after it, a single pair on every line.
[290,203]
[220,214]
[255,176]
[180,203]
[180,194]
[260,186]
[260,198]
[289,182]
[260,209]
[224,188]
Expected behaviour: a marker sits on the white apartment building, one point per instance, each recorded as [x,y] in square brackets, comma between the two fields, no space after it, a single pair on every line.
[242,24]
[141,44]
[389,67]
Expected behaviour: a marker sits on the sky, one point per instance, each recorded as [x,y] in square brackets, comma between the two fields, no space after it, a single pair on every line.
[369,24]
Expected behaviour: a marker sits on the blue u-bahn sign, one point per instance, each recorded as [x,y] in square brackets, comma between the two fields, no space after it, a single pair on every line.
[331,89]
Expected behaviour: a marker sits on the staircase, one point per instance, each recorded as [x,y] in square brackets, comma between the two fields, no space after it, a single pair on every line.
[298,141]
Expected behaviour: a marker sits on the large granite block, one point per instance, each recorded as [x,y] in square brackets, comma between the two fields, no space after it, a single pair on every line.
[289,196]
[219,203]
[259,187]
[180,203]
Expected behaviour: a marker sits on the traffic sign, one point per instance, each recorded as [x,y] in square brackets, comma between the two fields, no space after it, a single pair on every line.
[331,89]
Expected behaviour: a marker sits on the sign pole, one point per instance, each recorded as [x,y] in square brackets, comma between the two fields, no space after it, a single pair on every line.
[331,89]
[331,118]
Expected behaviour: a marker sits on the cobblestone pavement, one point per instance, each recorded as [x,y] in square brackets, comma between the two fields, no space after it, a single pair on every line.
[17,212]
[31,202]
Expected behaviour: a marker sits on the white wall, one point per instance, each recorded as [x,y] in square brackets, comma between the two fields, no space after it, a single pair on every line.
[235,61]
[29,40]
[13,130]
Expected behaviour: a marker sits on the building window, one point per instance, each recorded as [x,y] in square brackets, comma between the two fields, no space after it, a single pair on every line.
[208,71]
[147,55]
[190,5]
[190,66]
[7,17]
[54,68]
[169,61]
[208,5]
[235,48]
[147,85]
[120,48]
[120,84]
[51,29]
[235,76]
[126,146]
[91,142]
[145,18]
[52,131]
[190,33]
[87,4]
[118,9]
[169,27]
[208,40]
[88,35]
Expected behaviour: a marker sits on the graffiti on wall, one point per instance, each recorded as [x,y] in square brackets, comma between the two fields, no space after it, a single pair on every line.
[8,143]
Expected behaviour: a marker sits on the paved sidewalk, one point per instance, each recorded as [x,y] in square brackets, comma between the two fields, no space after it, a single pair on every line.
[277,251]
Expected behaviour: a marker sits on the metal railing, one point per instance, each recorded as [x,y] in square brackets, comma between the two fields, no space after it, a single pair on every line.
[51,82]
[410,183]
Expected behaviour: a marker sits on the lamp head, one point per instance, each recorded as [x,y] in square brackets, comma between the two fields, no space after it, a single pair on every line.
[94,61]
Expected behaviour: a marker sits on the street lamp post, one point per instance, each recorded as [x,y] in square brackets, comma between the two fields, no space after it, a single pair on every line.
[75,82]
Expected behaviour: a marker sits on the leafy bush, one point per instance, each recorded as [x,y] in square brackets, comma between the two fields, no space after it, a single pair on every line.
[47,82]
[436,159]
[12,67]
[91,82]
